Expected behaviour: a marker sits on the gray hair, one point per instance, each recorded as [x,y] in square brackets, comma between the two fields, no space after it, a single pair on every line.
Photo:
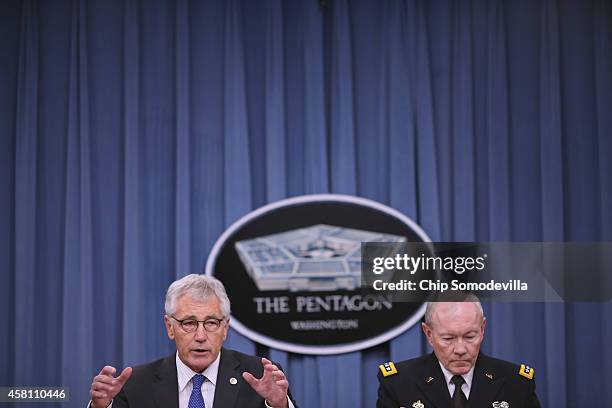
[466,297]
[200,287]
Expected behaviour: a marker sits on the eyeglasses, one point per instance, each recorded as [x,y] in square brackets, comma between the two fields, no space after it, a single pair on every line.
[191,325]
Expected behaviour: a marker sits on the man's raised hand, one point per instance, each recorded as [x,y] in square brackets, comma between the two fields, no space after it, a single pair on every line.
[272,386]
[105,386]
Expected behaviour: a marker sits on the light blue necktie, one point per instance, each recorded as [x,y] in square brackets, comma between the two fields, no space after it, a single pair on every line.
[196,400]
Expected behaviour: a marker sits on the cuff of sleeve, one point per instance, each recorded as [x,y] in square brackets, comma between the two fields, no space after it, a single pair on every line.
[108,406]
[288,401]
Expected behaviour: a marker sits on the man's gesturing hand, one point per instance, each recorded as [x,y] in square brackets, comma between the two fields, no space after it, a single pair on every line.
[272,386]
[105,386]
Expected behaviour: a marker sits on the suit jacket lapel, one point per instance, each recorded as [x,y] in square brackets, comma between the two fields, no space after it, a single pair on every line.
[226,392]
[431,382]
[165,389]
[485,384]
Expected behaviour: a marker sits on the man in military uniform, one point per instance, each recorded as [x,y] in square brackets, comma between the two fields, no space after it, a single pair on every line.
[456,374]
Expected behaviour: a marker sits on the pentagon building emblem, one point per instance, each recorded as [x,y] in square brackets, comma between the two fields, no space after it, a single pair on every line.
[292,269]
[317,258]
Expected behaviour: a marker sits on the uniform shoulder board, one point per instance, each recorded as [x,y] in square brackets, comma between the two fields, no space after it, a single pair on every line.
[526,371]
[388,369]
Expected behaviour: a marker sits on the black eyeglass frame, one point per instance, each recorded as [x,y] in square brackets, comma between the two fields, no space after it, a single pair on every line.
[218,324]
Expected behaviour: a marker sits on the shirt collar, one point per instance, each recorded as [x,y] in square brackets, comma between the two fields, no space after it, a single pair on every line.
[184,373]
[448,375]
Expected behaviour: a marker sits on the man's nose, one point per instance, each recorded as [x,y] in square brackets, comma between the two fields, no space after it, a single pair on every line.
[200,333]
[460,347]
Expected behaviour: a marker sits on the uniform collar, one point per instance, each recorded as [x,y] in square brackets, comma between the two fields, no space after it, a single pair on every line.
[468,377]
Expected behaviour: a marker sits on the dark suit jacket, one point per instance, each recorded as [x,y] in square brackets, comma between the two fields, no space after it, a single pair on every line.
[155,385]
[422,379]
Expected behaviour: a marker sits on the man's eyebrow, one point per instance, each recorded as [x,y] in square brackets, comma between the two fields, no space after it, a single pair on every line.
[190,317]
[194,317]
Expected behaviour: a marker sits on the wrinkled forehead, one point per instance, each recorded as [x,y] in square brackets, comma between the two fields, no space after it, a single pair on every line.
[463,314]
[198,306]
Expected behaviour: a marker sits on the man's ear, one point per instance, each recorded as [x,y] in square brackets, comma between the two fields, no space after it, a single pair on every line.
[484,324]
[428,333]
[169,327]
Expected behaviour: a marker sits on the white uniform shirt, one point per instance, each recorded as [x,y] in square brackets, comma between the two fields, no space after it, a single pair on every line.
[465,387]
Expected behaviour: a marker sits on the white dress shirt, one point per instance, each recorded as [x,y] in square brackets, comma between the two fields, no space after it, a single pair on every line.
[465,387]
[185,386]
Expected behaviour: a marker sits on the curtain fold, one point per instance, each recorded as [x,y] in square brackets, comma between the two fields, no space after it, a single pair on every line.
[10,22]
[275,125]
[397,113]
[397,121]
[499,172]
[182,261]
[276,145]
[78,323]
[343,169]
[602,37]
[237,164]
[26,192]
[132,288]
[550,125]
[207,22]
[134,134]
[602,25]
[552,183]
[314,144]
[462,133]
[338,389]
[428,204]
[237,173]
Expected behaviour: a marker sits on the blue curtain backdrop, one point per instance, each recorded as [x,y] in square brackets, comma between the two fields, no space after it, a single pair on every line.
[133,132]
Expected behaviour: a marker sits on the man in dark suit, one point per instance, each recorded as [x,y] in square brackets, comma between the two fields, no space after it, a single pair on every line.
[201,374]
[456,374]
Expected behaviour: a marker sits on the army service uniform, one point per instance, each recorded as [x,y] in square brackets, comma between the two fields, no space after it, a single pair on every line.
[420,383]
